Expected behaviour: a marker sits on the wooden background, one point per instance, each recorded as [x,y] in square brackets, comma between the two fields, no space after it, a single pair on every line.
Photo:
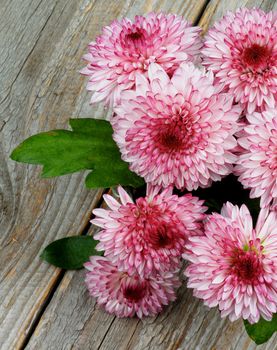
[42,307]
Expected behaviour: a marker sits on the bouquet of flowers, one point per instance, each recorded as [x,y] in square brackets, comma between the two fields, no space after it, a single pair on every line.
[192,138]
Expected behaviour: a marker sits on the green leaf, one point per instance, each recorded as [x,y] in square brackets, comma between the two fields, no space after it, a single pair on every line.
[70,253]
[260,332]
[88,146]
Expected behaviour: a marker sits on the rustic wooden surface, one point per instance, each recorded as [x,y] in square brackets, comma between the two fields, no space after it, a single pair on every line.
[41,307]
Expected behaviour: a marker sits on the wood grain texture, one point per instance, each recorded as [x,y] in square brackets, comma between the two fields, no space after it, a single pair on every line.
[41,47]
[40,89]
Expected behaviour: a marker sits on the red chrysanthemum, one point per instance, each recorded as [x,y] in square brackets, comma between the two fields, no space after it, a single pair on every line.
[241,50]
[177,131]
[125,295]
[148,236]
[234,266]
[126,48]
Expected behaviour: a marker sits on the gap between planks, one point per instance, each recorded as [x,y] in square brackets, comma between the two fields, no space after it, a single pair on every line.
[60,275]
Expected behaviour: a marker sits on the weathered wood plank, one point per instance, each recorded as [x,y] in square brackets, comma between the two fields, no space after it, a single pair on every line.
[216,9]
[74,321]
[40,88]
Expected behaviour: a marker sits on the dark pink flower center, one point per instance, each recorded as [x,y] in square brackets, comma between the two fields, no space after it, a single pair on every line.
[134,292]
[176,136]
[246,264]
[154,229]
[134,36]
[171,141]
[255,55]
[160,238]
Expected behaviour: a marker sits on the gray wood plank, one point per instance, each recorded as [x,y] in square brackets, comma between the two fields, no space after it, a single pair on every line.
[40,89]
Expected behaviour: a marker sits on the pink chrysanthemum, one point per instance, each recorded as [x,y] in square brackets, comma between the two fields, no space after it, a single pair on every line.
[148,236]
[257,162]
[127,296]
[235,266]
[177,131]
[125,49]
[241,50]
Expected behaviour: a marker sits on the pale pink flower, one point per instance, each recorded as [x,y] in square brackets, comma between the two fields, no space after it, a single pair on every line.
[147,236]
[126,48]
[241,50]
[177,131]
[125,295]
[257,162]
[234,266]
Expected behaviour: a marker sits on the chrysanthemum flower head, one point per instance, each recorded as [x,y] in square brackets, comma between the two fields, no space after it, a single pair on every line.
[257,162]
[177,131]
[148,236]
[126,48]
[125,295]
[241,50]
[234,266]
